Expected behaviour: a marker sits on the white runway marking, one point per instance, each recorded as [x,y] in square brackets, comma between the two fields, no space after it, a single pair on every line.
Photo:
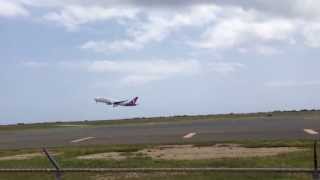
[310,131]
[82,139]
[72,125]
[189,135]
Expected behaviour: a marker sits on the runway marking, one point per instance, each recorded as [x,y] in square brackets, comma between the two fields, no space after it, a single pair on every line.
[72,125]
[189,135]
[310,131]
[82,139]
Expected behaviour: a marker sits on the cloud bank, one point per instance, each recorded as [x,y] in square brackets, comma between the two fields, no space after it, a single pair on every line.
[222,25]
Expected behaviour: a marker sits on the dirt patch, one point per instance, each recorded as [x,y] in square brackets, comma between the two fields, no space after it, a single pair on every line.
[131,176]
[190,152]
[105,156]
[119,176]
[21,156]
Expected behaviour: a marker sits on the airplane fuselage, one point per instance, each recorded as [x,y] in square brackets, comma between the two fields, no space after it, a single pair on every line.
[117,103]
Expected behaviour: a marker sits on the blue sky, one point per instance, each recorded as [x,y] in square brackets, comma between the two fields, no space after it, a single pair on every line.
[179,57]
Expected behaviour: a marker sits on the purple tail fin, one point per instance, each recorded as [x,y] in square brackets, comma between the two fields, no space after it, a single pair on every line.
[133,101]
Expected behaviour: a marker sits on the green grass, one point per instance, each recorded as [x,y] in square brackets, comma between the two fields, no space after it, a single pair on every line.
[158,176]
[66,158]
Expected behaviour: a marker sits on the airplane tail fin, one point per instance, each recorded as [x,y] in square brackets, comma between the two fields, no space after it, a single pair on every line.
[134,100]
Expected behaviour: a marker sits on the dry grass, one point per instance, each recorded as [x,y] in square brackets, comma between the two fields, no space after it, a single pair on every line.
[21,156]
[190,152]
[104,156]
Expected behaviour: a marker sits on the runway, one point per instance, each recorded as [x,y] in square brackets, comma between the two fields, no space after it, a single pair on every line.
[263,128]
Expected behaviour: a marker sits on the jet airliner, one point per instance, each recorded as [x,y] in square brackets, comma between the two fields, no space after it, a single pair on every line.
[132,102]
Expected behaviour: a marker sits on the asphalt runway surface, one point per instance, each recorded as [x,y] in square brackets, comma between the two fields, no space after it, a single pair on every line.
[279,128]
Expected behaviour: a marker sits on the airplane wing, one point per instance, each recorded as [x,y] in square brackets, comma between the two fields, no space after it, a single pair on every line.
[108,103]
[119,102]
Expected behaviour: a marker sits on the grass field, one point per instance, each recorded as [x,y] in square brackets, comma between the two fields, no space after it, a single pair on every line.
[159,176]
[67,158]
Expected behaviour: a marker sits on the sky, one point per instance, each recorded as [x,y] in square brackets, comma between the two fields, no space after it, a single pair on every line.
[180,57]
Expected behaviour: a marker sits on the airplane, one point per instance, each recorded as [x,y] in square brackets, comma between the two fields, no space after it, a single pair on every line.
[117,103]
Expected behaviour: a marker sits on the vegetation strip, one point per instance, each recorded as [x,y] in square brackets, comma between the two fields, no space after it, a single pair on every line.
[113,170]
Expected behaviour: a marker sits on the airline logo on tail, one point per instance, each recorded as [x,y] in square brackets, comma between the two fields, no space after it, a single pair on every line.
[132,102]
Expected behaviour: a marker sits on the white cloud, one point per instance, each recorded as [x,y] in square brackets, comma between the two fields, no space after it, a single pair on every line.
[267,50]
[224,68]
[146,67]
[239,28]
[159,25]
[307,9]
[311,32]
[115,46]
[224,27]
[140,79]
[34,64]
[292,83]
[218,25]
[74,15]
[139,72]
[12,9]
